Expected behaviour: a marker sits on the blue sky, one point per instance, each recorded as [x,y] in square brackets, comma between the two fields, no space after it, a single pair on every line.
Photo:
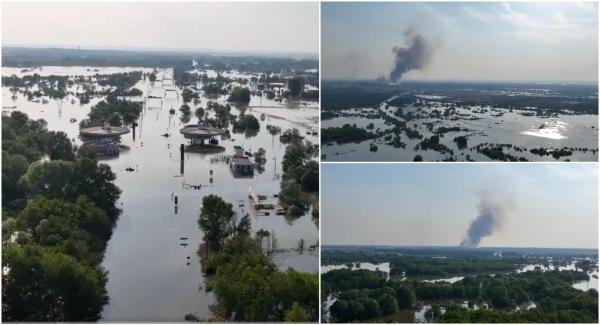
[546,205]
[471,41]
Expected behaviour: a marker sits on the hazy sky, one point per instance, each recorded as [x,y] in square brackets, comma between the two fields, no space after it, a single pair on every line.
[272,27]
[470,41]
[546,205]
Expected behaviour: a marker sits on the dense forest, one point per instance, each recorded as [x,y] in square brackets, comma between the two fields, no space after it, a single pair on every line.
[58,211]
[362,295]
[491,289]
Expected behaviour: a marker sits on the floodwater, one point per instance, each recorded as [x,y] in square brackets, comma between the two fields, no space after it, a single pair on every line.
[584,285]
[419,314]
[382,267]
[149,278]
[449,280]
[485,125]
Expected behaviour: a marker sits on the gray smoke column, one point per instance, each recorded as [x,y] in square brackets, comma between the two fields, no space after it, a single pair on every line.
[491,215]
[415,55]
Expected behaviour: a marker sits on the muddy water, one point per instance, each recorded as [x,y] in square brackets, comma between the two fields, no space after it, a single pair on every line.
[149,277]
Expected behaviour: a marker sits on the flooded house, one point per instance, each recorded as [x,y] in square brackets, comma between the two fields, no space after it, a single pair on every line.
[240,164]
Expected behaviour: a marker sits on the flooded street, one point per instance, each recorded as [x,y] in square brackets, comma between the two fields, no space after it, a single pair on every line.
[150,278]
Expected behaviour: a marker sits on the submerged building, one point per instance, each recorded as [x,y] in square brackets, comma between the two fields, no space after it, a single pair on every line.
[102,141]
[240,164]
[104,132]
[200,135]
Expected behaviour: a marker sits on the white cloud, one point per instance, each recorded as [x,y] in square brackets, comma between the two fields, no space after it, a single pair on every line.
[518,19]
[479,15]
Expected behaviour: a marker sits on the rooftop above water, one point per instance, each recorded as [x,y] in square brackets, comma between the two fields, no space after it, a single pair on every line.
[105,130]
[198,131]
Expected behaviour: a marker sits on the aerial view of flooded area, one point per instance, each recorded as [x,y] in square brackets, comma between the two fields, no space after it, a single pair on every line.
[460,121]
[459,243]
[443,87]
[190,181]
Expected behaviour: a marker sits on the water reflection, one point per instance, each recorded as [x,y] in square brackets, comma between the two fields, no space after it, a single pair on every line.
[552,130]
[479,124]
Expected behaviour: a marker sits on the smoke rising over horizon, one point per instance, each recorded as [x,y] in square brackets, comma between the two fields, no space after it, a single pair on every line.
[414,56]
[491,216]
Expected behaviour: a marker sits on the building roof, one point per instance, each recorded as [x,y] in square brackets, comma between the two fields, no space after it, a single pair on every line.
[102,131]
[195,131]
[241,161]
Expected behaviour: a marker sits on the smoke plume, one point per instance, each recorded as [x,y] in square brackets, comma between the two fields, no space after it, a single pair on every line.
[415,55]
[491,214]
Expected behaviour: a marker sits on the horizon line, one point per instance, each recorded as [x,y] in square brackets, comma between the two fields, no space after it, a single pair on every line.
[179,50]
[553,82]
[455,246]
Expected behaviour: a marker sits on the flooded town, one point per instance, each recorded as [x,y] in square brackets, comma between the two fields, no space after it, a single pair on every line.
[201,167]
[162,183]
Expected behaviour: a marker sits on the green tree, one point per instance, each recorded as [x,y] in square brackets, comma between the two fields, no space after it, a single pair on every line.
[500,298]
[372,309]
[200,113]
[290,192]
[388,304]
[296,314]
[310,178]
[295,85]
[13,168]
[60,146]
[64,179]
[45,286]
[406,297]
[216,217]
[239,95]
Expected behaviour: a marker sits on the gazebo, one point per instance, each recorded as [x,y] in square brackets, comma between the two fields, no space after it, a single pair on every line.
[105,132]
[103,141]
[198,134]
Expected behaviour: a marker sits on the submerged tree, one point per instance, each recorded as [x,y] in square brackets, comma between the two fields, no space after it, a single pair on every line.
[216,219]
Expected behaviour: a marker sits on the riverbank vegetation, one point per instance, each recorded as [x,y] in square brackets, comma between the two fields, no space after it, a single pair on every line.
[57,216]
[247,284]
[300,178]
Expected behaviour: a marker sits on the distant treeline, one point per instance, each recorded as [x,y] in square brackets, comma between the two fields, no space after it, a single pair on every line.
[339,95]
[30,57]
[379,254]
[579,98]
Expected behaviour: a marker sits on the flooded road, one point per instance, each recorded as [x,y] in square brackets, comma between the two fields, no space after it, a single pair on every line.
[148,274]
